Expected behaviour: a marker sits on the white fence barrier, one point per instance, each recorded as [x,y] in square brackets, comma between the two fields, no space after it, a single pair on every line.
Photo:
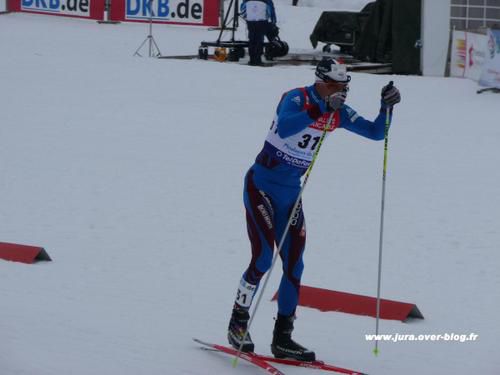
[476,56]
[490,76]
[468,53]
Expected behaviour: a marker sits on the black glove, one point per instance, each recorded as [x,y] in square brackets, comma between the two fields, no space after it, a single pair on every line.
[335,101]
[390,95]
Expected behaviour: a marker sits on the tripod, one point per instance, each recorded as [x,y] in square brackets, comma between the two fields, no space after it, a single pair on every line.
[234,20]
[153,49]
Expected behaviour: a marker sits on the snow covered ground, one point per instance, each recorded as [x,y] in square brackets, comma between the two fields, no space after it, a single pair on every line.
[129,172]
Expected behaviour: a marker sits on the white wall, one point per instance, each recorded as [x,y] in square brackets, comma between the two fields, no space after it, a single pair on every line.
[3,5]
[435,36]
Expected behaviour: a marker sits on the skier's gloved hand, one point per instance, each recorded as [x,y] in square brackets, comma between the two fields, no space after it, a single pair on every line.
[335,101]
[390,95]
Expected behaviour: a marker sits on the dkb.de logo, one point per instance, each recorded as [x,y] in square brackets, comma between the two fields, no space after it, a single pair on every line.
[171,10]
[68,7]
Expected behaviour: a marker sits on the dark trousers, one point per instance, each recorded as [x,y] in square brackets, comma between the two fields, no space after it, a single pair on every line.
[268,207]
[256,32]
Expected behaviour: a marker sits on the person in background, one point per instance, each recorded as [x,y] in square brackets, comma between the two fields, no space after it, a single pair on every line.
[272,186]
[261,21]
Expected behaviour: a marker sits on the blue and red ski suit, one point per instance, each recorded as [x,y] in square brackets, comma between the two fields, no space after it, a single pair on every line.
[272,184]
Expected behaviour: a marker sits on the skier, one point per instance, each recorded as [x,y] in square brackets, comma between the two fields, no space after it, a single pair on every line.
[261,21]
[272,186]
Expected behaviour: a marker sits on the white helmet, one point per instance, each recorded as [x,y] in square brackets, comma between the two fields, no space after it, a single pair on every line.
[329,69]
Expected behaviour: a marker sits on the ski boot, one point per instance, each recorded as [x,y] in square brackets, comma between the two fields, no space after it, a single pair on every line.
[237,329]
[283,346]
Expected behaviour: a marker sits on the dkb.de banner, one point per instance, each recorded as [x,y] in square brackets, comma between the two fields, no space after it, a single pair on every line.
[186,12]
[491,68]
[69,8]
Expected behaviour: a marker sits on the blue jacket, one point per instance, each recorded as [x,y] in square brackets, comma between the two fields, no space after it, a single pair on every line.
[292,117]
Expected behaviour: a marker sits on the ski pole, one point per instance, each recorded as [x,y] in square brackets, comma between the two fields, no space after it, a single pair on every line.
[283,236]
[381,237]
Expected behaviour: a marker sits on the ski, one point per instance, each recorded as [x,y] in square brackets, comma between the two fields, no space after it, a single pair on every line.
[250,357]
[319,365]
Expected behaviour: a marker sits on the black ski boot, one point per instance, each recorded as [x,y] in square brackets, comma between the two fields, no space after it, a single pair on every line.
[237,329]
[283,346]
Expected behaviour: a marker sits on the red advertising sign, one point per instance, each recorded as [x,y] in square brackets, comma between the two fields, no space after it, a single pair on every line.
[180,12]
[93,9]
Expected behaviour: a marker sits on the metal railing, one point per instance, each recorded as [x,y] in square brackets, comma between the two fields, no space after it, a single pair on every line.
[467,20]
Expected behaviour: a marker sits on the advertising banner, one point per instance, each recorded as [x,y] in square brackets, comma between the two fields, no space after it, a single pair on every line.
[468,54]
[68,8]
[491,68]
[187,12]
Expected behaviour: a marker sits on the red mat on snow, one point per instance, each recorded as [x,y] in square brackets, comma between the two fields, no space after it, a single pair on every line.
[22,253]
[330,300]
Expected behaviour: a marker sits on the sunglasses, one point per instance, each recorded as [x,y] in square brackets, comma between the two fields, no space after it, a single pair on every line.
[343,86]
[343,83]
